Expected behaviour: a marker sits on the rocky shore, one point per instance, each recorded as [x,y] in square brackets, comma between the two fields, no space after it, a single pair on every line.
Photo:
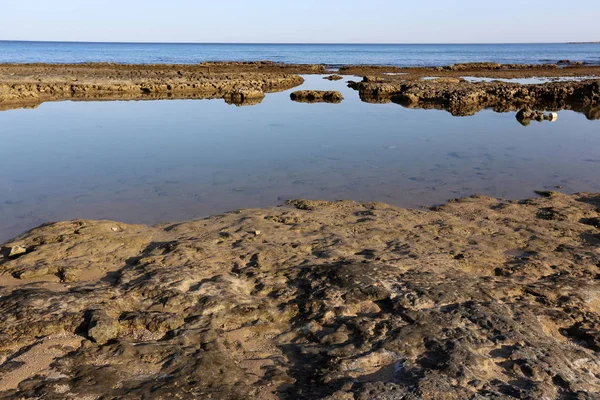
[28,85]
[317,96]
[478,298]
[32,84]
[464,98]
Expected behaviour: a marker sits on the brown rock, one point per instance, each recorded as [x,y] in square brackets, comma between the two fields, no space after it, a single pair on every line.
[463,98]
[444,303]
[31,84]
[102,327]
[317,96]
[14,251]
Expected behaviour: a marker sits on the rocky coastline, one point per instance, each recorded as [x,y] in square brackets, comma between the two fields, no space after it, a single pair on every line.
[245,83]
[32,84]
[462,98]
[477,298]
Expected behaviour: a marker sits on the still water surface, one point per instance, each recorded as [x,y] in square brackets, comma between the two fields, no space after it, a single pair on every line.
[159,161]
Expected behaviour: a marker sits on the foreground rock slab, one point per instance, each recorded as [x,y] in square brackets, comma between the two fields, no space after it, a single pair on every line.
[476,299]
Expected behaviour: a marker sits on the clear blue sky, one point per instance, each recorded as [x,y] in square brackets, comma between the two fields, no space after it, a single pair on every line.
[306,21]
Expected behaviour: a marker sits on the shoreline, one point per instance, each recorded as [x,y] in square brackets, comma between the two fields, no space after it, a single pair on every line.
[332,300]
[28,85]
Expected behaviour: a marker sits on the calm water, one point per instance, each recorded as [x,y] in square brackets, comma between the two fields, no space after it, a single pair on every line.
[329,54]
[158,161]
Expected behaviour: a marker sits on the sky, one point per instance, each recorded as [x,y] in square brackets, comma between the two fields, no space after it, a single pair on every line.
[306,21]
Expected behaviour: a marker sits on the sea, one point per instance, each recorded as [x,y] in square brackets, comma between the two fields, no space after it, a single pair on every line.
[160,161]
[333,55]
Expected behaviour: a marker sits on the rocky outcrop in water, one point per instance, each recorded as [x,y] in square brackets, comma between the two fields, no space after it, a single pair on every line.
[26,86]
[463,98]
[244,96]
[31,84]
[317,96]
[478,298]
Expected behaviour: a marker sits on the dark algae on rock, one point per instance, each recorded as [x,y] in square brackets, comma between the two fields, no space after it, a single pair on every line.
[479,298]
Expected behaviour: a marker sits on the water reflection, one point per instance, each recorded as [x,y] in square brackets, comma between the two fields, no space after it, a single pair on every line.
[156,161]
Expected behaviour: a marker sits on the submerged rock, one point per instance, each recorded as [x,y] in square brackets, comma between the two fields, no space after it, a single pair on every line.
[334,77]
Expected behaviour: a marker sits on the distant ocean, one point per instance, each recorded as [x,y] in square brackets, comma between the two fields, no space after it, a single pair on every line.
[333,55]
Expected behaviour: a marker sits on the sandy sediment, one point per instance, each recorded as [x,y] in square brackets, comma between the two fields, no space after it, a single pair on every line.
[478,298]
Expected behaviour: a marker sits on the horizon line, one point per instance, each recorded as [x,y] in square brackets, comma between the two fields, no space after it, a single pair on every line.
[293,43]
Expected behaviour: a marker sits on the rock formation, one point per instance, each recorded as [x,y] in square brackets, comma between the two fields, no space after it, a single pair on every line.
[464,98]
[31,84]
[317,96]
[478,298]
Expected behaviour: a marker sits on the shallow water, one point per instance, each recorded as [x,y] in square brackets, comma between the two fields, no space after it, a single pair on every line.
[159,161]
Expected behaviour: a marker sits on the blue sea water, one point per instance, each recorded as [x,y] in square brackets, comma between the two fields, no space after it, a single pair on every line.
[328,54]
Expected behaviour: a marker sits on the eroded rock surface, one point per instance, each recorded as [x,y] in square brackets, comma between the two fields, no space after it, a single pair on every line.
[317,96]
[463,98]
[476,299]
[245,83]
[32,84]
